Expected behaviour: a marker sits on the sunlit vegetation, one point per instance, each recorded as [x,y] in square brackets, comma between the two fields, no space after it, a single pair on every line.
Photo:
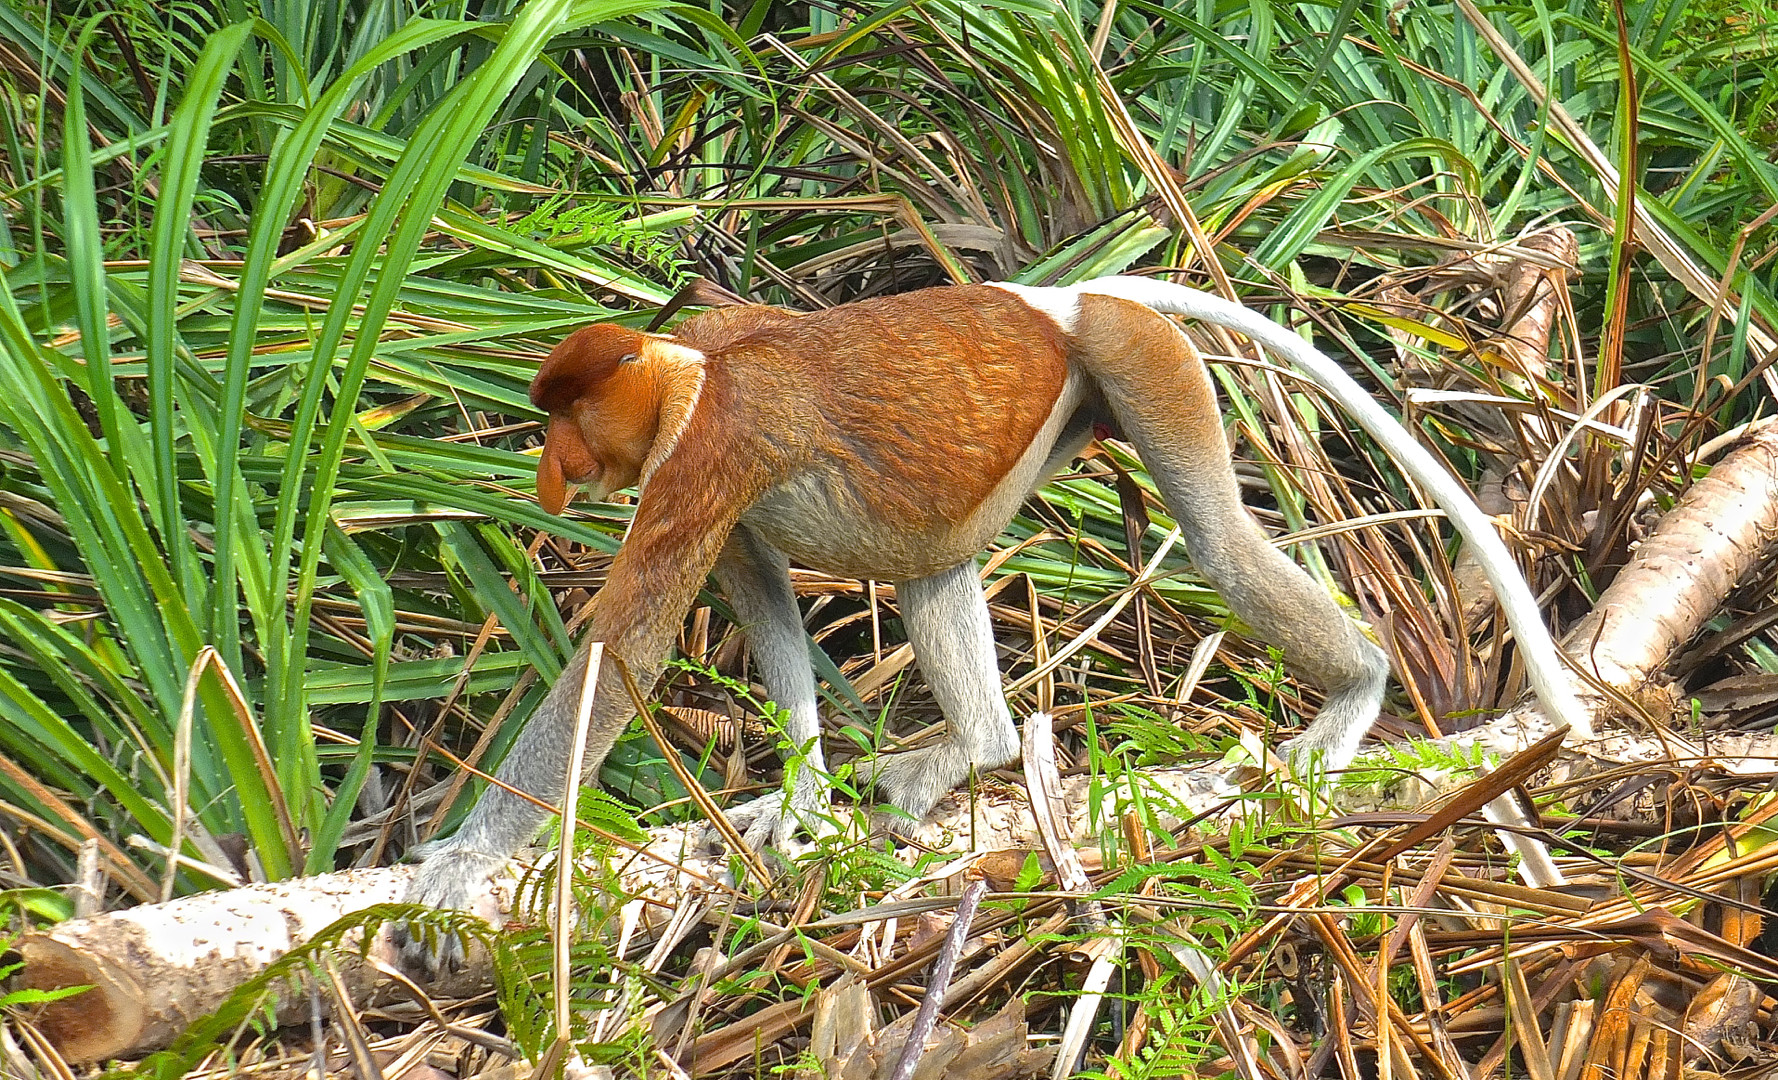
[274,277]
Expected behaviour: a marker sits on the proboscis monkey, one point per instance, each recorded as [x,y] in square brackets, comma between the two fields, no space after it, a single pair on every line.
[892,439]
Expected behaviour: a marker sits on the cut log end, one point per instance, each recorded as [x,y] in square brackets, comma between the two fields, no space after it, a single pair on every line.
[103,1022]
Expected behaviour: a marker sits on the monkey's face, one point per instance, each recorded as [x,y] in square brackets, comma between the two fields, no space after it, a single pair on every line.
[604,402]
[601,441]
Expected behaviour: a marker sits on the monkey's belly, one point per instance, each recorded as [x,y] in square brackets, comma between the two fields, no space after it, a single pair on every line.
[826,523]
[825,531]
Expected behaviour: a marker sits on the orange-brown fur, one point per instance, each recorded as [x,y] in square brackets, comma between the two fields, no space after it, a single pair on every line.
[854,388]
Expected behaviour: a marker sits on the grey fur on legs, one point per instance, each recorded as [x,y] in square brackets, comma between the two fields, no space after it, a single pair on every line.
[773,820]
[947,623]
[1345,717]
[914,780]
[453,876]
[755,576]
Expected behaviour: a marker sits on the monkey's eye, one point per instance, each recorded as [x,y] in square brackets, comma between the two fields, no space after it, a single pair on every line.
[626,358]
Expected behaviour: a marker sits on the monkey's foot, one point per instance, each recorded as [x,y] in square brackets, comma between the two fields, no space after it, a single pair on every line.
[914,780]
[772,821]
[1309,759]
[452,876]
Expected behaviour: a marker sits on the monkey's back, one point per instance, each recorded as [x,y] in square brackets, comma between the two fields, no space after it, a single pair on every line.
[868,403]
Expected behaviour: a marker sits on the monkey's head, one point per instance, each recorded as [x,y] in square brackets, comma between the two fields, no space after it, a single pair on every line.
[606,389]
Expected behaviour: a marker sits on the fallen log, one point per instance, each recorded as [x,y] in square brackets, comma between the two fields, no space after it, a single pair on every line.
[156,968]
[1723,529]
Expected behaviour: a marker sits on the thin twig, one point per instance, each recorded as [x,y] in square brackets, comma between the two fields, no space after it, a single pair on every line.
[927,1018]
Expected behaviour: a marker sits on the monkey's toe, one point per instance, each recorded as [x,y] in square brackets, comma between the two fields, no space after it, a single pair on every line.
[773,821]
[451,877]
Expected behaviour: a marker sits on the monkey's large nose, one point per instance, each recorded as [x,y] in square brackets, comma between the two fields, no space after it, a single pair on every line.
[565,461]
[552,486]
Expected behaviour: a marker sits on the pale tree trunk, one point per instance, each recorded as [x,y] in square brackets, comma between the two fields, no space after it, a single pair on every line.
[156,968]
[1722,530]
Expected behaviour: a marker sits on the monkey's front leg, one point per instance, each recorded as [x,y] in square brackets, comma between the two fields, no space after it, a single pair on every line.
[947,623]
[756,579]
[456,871]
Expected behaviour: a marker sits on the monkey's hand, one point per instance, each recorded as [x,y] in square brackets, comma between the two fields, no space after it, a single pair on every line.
[772,821]
[452,876]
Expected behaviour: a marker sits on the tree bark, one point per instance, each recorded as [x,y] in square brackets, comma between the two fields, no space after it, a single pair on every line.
[1722,529]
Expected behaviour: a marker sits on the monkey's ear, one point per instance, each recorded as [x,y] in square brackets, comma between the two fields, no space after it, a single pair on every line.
[564,454]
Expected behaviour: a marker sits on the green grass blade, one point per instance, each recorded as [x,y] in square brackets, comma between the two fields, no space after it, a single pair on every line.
[184,158]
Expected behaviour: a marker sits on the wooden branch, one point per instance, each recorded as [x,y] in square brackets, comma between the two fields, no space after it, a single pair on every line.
[1723,529]
[1719,533]
[157,968]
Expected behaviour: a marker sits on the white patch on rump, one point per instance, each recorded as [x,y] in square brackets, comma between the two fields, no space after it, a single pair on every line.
[1062,305]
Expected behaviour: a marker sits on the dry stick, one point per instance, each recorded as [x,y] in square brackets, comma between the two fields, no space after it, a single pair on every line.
[262,757]
[1532,296]
[1150,571]
[927,1018]
[1071,1049]
[424,1001]
[181,773]
[564,898]
[424,750]
[347,1022]
[1730,266]
[1129,497]
[1044,784]
[1159,175]
[89,880]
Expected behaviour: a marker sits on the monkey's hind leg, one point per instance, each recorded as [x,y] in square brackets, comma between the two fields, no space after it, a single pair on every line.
[947,623]
[1159,391]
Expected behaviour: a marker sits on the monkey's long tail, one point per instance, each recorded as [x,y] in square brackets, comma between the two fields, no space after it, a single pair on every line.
[1543,659]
